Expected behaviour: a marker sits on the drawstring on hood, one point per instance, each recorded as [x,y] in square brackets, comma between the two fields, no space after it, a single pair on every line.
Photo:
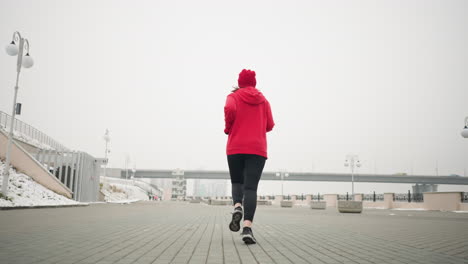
[250,95]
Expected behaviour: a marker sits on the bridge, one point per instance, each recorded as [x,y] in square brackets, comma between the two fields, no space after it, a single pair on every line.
[306,176]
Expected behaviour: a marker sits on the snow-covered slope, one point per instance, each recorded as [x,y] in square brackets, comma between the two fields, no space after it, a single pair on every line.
[24,191]
[25,138]
[123,190]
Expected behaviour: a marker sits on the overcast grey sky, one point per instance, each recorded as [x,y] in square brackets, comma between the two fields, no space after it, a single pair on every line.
[383,79]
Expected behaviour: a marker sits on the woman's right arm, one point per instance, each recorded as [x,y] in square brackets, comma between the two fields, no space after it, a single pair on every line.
[270,122]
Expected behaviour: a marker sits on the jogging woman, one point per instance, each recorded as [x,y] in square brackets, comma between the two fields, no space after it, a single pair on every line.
[248,118]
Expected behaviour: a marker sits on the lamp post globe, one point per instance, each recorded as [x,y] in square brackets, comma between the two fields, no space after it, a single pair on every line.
[464,132]
[12,49]
[28,61]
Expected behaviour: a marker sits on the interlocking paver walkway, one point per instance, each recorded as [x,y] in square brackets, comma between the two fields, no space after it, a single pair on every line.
[178,232]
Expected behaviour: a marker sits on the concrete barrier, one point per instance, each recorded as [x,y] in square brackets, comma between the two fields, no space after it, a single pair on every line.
[350,206]
[279,198]
[331,199]
[220,202]
[27,164]
[318,205]
[376,204]
[463,207]
[442,201]
[358,196]
[388,200]
[263,202]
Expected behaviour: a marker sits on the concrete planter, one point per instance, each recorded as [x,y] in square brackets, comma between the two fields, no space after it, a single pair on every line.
[220,202]
[263,202]
[318,205]
[350,206]
[195,201]
[285,203]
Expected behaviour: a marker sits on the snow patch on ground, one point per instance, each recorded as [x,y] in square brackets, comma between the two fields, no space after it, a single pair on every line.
[461,212]
[24,191]
[25,138]
[19,136]
[409,209]
[124,201]
[122,191]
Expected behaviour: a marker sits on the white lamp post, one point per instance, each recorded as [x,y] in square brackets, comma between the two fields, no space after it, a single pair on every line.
[464,134]
[464,131]
[127,162]
[106,137]
[282,175]
[352,161]
[27,62]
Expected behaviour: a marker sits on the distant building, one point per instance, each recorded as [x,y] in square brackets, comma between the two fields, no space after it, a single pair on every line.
[218,188]
[203,188]
[179,187]
[200,188]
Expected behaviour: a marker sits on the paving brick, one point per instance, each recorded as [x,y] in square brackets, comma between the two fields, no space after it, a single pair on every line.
[176,232]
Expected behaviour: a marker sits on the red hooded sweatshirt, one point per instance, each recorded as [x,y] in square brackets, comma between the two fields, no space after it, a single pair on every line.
[248,118]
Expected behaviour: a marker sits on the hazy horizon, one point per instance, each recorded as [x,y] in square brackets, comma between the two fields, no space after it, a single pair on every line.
[385,80]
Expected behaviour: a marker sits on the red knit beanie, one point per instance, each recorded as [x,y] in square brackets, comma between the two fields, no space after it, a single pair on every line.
[247,78]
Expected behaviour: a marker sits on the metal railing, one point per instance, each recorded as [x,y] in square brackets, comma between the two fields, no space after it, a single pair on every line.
[345,197]
[373,197]
[78,171]
[464,197]
[409,197]
[29,134]
[317,197]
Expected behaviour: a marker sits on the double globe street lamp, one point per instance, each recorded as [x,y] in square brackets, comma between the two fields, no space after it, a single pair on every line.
[17,47]
[351,162]
[282,175]
[106,138]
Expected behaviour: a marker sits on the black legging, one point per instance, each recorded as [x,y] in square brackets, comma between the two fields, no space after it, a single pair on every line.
[245,170]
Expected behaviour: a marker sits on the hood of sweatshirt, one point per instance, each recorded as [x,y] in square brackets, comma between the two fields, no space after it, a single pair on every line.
[250,95]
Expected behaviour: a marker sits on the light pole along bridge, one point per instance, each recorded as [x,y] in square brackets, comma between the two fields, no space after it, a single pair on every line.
[304,176]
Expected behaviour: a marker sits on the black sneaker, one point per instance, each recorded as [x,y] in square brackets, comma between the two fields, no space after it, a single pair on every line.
[237,215]
[247,236]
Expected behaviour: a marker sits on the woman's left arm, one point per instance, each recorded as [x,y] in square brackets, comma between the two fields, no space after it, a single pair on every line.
[229,114]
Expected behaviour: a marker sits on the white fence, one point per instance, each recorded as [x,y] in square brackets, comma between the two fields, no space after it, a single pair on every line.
[77,170]
[29,134]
